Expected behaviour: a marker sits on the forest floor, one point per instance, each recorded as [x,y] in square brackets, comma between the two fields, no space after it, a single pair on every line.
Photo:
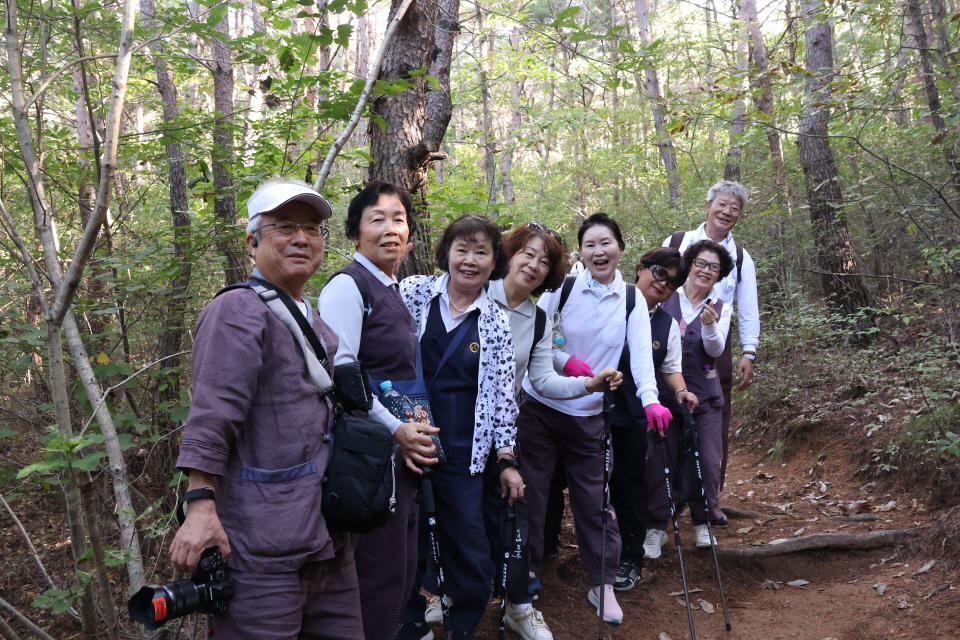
[841,600]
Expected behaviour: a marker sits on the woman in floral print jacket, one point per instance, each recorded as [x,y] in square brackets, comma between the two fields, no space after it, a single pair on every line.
[468,364]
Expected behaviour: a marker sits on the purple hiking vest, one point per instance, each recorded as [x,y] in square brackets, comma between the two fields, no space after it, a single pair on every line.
[696,360]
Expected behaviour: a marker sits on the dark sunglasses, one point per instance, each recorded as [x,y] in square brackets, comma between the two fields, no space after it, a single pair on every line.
[542,228]
[660,274]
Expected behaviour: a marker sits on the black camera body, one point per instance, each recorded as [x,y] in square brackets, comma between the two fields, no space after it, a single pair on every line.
[207,591]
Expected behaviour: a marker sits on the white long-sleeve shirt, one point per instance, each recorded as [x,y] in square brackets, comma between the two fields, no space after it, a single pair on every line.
[748,308]
[715,334]
[594,326]
[341,307]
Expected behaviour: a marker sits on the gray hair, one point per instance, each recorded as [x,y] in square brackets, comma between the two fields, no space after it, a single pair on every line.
[252,221]
[729,186]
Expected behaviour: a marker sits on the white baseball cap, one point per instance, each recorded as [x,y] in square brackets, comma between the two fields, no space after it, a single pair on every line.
[272,196]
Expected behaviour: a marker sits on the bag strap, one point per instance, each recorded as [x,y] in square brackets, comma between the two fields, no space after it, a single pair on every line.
[631,299]
[457,339]
[565,291]
[285,309]
[539,328]
[361,287]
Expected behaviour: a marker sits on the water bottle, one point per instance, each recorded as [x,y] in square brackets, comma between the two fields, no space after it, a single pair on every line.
[388,391]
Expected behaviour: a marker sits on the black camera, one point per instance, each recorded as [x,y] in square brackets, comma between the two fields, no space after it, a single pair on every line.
[207,591]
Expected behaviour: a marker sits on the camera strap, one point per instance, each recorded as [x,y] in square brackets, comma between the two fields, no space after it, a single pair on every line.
[283,306]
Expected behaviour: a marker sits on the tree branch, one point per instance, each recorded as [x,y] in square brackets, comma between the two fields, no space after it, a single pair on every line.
[23,620]
[362,100]
[26,536]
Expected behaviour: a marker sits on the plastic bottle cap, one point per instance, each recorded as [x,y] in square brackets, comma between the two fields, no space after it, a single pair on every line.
[386,384]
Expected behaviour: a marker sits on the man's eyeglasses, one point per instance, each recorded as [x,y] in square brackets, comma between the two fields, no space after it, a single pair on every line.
[542,228]
[660,274]
[703,264]
[290,229]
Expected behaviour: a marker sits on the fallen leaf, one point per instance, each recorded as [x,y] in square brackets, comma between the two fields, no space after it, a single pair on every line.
[890,506]
[680,593]
[706,606]
[779,541]
[903,603]
[745,530]
[663,636]
[769,584]
[823,487]
[682,603]
[880,587]
[799,532]
[798,583]
[926,567]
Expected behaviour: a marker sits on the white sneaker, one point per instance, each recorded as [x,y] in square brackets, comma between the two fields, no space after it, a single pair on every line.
[703,536]
[434,614]
[527,623]
[611,610]
[653,543]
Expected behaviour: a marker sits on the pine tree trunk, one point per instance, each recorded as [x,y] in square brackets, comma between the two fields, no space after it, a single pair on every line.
[402,150]
[835,257]
[489,135]
[516,94]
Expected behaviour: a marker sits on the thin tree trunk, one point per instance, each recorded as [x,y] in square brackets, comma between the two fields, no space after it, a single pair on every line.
[763,102]
[936,22]
[933,94]
[489,136]
[732,169]
[513,132]
[96,545]
[664,142]
[835,257]
[174,329]
[224,200]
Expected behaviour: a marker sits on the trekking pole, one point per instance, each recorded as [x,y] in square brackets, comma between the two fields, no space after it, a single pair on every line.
[430,506]
[605,443]
[510,517]
[692,426]
[664,458]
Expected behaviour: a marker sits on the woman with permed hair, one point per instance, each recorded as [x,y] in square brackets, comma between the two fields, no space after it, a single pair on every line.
[468,364]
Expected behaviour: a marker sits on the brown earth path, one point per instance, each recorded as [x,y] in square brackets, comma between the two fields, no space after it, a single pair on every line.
[839,602]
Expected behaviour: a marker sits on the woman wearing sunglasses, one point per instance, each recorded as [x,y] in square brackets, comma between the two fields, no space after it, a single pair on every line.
[659,273]
[595,325]
[704,322]
[537,265]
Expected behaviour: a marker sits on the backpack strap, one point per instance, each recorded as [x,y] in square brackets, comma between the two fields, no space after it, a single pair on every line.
[677,239]
[739,262]
[565,291]
[539,328]
[631,299]
[361,287]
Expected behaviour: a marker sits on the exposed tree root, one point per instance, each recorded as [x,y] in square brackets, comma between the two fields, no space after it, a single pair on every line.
[830,541]
[742,514]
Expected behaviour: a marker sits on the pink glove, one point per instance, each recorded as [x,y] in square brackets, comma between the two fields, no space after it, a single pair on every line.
[658,416]
[576,368]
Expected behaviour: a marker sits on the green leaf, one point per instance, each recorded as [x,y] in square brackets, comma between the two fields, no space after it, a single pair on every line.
[6,432]
[217,14]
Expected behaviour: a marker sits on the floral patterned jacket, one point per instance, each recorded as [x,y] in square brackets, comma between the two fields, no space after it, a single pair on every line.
[496,411]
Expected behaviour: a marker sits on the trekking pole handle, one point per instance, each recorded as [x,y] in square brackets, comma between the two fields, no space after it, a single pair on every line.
[687,416]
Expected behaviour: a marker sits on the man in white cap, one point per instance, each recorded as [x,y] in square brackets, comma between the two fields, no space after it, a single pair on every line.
[255,446]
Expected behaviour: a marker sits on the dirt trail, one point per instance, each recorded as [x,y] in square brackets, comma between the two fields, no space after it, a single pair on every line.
[839,602]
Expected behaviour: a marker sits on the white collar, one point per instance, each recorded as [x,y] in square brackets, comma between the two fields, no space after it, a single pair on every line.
[441,286]
[727,243]
[374,269]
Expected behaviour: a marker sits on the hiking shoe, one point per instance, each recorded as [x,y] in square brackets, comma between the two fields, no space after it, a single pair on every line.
[433,614]
[703,536]
[611,610]
[653,543]
[527,623]
[627,576]
[414,631]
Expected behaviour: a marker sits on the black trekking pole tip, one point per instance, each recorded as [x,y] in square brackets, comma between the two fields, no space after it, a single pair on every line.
[728,626]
